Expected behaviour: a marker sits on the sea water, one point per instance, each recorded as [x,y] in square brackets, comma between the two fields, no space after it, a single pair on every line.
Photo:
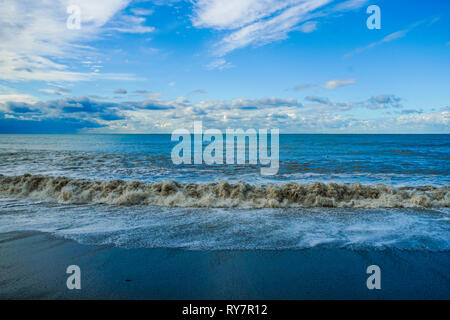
[334,191]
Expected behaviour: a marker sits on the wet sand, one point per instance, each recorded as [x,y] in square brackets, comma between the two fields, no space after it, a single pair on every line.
[33,265]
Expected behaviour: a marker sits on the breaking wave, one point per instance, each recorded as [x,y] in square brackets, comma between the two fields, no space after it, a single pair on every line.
[222,194]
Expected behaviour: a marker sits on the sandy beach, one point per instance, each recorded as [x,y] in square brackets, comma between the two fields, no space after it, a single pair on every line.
[32,266]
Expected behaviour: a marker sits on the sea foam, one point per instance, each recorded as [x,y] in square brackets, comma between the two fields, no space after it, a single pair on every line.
[221,194]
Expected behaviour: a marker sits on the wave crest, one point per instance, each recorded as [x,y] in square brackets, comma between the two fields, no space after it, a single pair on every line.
[221,194]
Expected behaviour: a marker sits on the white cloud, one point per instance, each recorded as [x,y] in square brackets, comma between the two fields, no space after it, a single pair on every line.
[8,94]
[120,91]
[384,101]
[232,14]
[27,66]
[389,38]
[34,36]
[432,118]
[257,22]
[268,102]
[142,12]
[309,26]
[219,64]
[157,115]
[330,85]
[56,90]
[131,24]
[16,97]
[350,5]
[334,84]
[273,28]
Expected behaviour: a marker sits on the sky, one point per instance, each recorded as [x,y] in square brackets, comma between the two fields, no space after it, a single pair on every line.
[303,66]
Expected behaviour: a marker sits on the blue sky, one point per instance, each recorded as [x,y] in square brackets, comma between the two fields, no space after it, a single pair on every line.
[304,66]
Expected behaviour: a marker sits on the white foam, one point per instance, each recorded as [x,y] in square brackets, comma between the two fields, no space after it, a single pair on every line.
[222,194]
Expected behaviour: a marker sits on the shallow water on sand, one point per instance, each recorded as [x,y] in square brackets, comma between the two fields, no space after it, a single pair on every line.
[220,228]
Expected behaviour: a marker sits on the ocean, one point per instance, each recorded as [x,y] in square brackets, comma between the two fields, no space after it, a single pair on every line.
[356,192]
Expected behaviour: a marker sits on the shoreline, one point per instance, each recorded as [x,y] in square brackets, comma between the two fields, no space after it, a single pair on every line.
[33,266]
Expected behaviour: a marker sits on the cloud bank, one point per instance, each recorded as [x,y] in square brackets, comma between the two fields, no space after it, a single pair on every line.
[153,115]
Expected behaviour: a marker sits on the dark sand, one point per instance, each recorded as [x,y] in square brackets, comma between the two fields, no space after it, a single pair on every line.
[33,265]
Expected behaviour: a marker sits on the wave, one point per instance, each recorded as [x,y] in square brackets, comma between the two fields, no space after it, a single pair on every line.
[221,194]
